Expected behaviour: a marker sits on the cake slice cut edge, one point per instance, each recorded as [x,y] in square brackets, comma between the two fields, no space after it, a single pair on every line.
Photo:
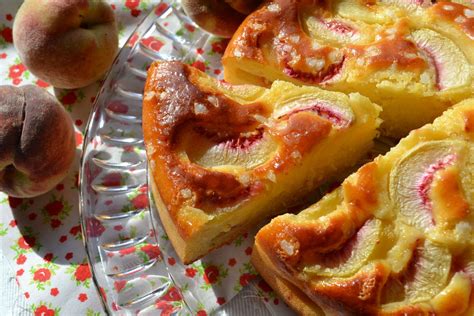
[206,188]
[422,262]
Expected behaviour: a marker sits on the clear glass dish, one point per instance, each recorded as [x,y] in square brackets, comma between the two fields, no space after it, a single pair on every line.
[132,262]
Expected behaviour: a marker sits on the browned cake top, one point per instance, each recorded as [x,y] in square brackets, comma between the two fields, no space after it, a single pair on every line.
[397,237]
[181,113]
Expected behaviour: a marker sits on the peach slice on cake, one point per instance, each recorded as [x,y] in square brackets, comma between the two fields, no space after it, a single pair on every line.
[395,239]
[400,55]
[224,158]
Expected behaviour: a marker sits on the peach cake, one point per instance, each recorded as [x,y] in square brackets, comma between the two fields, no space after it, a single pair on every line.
[223,158]
[395,239]
[413,58]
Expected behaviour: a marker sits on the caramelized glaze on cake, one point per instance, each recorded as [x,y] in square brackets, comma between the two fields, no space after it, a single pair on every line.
[414,59]
[223,157]
[397,238]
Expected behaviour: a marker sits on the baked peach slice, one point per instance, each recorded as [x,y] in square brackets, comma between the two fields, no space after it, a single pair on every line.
[395,239]
[224,158]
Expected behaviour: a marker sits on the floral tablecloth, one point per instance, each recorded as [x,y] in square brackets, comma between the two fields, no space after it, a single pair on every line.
[41,237]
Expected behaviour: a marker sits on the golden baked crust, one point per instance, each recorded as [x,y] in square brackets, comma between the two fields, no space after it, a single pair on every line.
[397,238]
[223,157]
[413,60]
[292,295]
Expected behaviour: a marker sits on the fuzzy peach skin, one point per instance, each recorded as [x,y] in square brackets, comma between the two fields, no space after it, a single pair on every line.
[37,144]
[67,43]
[219,17]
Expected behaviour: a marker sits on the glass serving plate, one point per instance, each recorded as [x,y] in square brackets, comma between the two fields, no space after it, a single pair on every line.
[133,264]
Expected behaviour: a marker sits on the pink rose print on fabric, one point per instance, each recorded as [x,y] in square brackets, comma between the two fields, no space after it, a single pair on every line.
[6,35]
[79,138]
[120,285]
[80,274]
[82,297]
[42,84]
[161,8]
[48,257]
[190,272]
[43,310]
[264,286]
[25,245]
[55,223]
[127,251]
[170,302]
[247,274]
[189,27]
[220,46]
[83,272]
[152,43]
[102,293]
[21,259]
[56,210]
[172,295]
[94,227]
[246,278]
[75,230]
[248,251]
[132,40]
[140,201]
[133,6]
[42,275]
[135,12]
[69,98]
[117,107]
[113,179]
[14,201]
[16,72]
[152,251]
[199,65]
[26,242]
[165,307]
[211,274]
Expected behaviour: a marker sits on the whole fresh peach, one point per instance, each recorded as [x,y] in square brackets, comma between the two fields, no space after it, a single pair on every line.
[37,144]
[67,43]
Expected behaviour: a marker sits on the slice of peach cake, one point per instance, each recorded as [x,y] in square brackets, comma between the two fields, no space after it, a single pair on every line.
[223,158]
[395,239]
[413,58]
